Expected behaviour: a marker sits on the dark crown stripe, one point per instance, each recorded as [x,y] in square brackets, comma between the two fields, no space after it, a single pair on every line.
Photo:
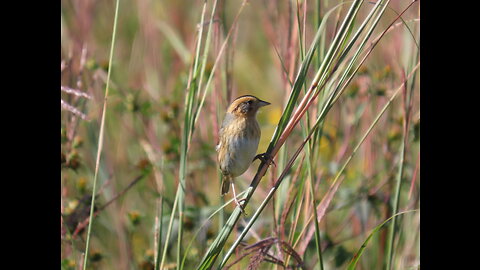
[244,96]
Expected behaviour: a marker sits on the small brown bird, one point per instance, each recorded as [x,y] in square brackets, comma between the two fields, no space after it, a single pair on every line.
[238,140]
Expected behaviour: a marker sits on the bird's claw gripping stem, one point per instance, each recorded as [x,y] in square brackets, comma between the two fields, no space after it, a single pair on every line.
[240,205]
[265,158]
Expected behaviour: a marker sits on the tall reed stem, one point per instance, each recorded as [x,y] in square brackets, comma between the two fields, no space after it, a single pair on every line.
[100,138]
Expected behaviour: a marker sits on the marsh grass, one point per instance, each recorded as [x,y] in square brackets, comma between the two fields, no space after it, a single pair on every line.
[100,138]
[342,140]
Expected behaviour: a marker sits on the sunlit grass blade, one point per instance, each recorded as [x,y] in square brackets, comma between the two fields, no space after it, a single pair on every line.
[395,204]
[100,136]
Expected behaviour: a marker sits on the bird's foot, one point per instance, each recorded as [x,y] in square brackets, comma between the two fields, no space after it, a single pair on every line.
[265,158]
[239,203]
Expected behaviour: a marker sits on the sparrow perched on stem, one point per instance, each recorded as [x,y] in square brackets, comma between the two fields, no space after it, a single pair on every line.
[238,140]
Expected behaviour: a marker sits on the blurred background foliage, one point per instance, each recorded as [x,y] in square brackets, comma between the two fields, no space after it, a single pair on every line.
[154,49]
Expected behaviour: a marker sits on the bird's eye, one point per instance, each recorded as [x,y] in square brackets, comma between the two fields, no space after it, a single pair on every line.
[249,102]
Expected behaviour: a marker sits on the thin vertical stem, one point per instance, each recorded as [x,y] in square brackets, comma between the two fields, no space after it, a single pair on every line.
[169,230]
[100,138]
[317,227]
[395,204]
[159,234]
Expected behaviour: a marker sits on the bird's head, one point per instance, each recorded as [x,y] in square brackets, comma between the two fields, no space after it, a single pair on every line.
[246,106]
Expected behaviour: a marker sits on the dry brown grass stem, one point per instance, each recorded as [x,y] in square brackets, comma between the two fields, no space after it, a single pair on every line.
[260,251]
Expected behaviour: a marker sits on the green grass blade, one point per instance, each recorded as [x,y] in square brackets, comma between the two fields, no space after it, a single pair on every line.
[360,251]
[395,205]
[159,235]
[339,39]
[317,227]
[169,231]
[297,85]
[175,40]
[100,137]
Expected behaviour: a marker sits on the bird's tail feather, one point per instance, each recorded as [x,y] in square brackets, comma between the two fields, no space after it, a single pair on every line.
[225,185]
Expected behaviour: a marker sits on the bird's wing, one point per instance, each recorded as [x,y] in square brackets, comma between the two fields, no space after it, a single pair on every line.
[228,118]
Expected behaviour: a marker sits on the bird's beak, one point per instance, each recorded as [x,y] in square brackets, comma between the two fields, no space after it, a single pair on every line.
[262,103]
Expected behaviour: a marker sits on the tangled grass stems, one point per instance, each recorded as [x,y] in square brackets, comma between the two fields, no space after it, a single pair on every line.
[283,130]
[332,191]
[322,207]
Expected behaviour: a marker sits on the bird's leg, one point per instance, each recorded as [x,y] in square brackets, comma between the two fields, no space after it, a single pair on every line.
[265,158]
[237,202]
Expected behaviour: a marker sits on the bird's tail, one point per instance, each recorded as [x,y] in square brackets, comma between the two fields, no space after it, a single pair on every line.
[225,184]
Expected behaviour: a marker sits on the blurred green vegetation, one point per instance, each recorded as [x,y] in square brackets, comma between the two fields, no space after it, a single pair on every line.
[154,49]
